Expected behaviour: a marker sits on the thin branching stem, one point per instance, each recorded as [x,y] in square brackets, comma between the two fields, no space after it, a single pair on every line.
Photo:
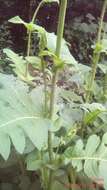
[30,35]
[36,11]
[96,55]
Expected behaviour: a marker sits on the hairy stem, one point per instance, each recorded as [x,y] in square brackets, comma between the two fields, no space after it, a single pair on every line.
[96,55]
[60,31]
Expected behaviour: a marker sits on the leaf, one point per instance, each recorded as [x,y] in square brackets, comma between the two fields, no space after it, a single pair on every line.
[16,20]
[18,138]
[57,124]
[29,26]
[65,53]
[91,169]
[91,116]
[39,129]
[19,62]
[104,45]
[91,166]
[92,144]
[34,165]
[104,139]
[51,1]
[70,96]
[19,65]
[34,161]
[103,68]
[93,107]
[103,174]
[21,113]
[94,157]
[76,151]
[4,145]
[35,61]
[34,27]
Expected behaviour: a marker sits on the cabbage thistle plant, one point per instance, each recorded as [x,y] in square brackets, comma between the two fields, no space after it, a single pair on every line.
[59,133]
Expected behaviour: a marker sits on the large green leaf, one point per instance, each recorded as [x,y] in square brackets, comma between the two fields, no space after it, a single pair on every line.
[21,114]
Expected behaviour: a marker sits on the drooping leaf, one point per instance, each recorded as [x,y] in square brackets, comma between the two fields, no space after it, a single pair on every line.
[19,65]
[16,20]
[29,26]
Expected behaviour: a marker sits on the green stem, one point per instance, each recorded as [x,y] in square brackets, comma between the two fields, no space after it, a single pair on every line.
[30,35]
[28,51]
[96,55]
[101,21]
[69,180]
[29,43]
[96,58]
[52,97]
[60,31]
[71,177]
[105,85]
[37,10]
[45,88]
[43,173]
[21,165]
